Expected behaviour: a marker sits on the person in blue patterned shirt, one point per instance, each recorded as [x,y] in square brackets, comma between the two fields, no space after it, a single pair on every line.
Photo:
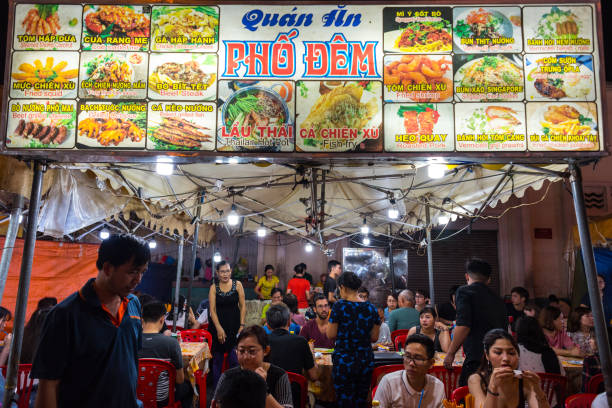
[354,324]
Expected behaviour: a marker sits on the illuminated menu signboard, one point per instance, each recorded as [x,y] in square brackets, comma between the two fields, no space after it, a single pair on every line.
[300,78]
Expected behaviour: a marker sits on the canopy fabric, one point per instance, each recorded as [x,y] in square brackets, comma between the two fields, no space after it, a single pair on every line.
[278,196]
[601,232]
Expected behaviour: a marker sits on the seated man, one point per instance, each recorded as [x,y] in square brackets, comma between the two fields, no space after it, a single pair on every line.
[412,387]
[156,345]
[405,316]
[291,353]
[315,330]
[242,389]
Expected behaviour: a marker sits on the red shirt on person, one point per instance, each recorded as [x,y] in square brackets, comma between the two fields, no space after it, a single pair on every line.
[299,287]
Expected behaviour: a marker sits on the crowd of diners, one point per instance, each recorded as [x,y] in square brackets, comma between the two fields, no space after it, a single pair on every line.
[504,343]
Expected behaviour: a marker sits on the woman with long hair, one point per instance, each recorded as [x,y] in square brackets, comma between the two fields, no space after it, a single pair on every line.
[253,347]
[429,327]
[551,321]
[354,325]
[227,314]
[498,383]
[580,327]
[536,354]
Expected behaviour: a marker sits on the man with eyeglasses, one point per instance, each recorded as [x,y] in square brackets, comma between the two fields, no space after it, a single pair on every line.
[315,330]
[412,387]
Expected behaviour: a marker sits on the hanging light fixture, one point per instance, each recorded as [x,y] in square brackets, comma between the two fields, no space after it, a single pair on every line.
[308,247]
[453,217]
[164,166]
[217,257]
[436,170]
[365,229]
[233,218]
[104,234]
[152,244]
[261,231]
[443,219]
[366,240]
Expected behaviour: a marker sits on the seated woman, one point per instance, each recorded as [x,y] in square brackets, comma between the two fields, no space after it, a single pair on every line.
[591,366]
[432,329]
[498,383]
[185,320]
[276,295]
[391,305]
[252,347]
[536,354]
[552,326]
[292,303]
[580,326]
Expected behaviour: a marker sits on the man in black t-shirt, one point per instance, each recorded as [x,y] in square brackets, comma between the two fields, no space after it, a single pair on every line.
[447,312]
[334,269]
[519,297]
[478,311]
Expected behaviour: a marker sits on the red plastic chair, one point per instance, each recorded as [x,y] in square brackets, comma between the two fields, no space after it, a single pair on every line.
[200,379]
[399,341]
[197,336]
[580,400]
[380,371]
[398,332]
[303,383]
[24,384]
[450,378]
[460,394]
[594,383]
[553,385]
[149,370]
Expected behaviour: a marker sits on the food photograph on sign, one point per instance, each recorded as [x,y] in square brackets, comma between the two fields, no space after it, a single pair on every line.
[41,124]
[487,29]
[256,116]
[495,77]
[417,29]
[116,28]
[44,74]
[181,126]
[490,126]
[184,28]
[113,75]
[560,77]
[112,125]
[568,126]
[419,127]
[186,76]
[339,116]
[418,78]
[47,27]
[558,29]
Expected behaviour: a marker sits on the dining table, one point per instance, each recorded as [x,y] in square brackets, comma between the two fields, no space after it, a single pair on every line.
[323,388]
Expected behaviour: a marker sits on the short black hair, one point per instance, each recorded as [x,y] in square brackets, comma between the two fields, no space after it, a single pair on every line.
[153,311]
[220,264]
[145,298]
[121,249]
[430,310]
[298,269]
[241,389]
[422,292]
[349,280]
[254,331]
[363,289]
[521,291]
[5,314]
[46,302]
[332,264]
[424,340]
[478,269]
[291,301]
[274,290]
[277,316]
[268,267]
[318,296]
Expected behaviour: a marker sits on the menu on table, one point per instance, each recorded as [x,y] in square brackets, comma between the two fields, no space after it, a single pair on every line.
[303,78]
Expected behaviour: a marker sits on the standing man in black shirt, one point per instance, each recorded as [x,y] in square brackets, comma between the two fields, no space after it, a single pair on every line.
[478,311]
[334,269]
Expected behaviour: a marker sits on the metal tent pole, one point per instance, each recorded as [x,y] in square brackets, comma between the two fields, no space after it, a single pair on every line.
[601,332]
[177,284]
[429,255]
[9,242]
[24,283]
[194,249]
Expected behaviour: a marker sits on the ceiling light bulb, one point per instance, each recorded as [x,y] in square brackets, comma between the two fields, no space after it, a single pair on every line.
[152,244]
[365,230]
[366,241]
[393,213]
[233,218]
[20,218]
[308,247]
[443,219]
[261,231]
[436,170]
[104,234]
[233,160]
[217,257]
[164,166]
[453,217]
